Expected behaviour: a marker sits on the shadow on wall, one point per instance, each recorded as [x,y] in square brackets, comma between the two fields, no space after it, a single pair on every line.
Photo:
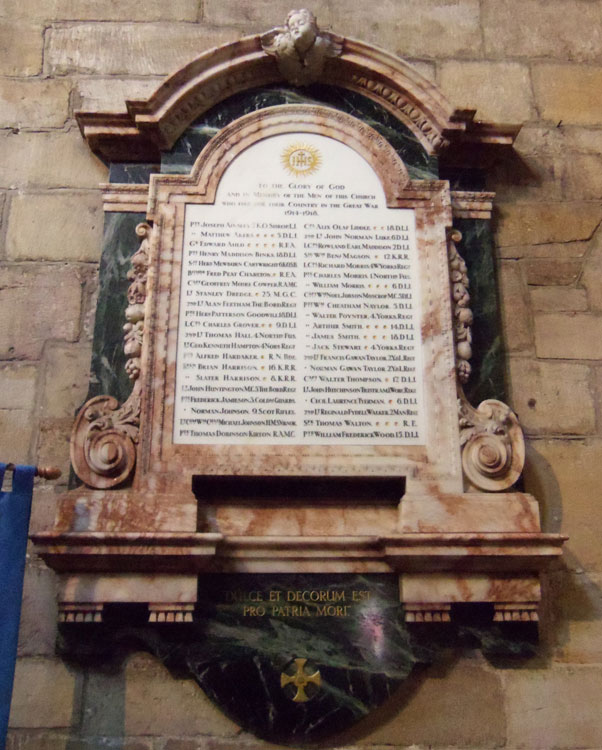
[572,599]
[540,481]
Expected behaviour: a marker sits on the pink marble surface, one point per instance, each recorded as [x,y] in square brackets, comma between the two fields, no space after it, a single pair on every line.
[469,512]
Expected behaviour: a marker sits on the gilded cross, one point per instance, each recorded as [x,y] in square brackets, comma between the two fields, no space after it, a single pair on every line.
[300,679]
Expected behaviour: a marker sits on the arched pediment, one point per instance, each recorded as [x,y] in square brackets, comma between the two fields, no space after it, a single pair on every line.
[201,184]
[151,126]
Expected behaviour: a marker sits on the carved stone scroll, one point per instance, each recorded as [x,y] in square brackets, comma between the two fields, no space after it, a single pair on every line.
[105,435]
[492,444]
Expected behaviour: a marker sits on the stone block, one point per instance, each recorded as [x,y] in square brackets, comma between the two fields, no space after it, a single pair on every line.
[17,385]
[21,45]
[533,170]
[558,299]
[37,103]
[73,742]
[530,28]
[129,48]
[157,704]
[110,94]
[554,708]
[431,29]
[579,600]
[539,223]
[42,302]
[25,161]
[568,93]
[552,272]
[552,398]
[562,336]
[72,227]
[243,742]
[89,10]
[514,307]
[43,740]
[458,706]
[425,68]
[424,29]
[527,177]
[3,204]
[500,92]
[260,15]
[65,380]
[37,629]
[44,694]
[582,178]
[16,431]
[565,475]
[53,438]
[592,272]
[583,140]
[62,740]
[547,251]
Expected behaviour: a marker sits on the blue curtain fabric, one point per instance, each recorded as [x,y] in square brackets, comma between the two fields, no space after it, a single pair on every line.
[15,509]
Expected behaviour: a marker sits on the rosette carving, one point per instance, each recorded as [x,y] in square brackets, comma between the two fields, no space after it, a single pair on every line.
[492,444]
[460,299]
[103,444]
[105,434]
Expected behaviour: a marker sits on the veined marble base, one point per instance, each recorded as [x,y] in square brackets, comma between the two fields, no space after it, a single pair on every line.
[176,553]
[447,549]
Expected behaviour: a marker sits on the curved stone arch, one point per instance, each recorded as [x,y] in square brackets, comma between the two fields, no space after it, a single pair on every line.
[201,184]
[151,126]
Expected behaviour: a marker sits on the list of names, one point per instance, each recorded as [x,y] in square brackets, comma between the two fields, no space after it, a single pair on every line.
[299,318]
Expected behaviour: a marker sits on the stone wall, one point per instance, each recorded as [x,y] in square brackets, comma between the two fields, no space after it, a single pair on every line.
[532,61]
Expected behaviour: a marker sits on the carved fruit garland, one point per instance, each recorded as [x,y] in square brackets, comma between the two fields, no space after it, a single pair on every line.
[105,434]
[491,439]
[460,299]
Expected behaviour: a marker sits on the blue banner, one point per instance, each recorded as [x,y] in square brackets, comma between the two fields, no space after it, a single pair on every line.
[15,508]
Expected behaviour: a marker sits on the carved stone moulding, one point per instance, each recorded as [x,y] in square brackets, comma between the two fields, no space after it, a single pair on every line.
[170,613]
[153,125]
[472,205]
[431,597]
[80,612]
[205,552]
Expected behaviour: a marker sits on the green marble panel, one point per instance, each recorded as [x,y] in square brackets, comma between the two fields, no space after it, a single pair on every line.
[246,636]
[120,242]
[182,156]
[347,627]
[487,377]
[132,173]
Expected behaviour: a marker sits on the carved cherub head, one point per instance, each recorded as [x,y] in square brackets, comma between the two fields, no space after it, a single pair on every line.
[300,48]
[303,28]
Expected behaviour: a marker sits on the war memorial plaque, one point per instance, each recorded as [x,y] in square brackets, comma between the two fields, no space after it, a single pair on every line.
[301,297]
[296,486]
[299,305]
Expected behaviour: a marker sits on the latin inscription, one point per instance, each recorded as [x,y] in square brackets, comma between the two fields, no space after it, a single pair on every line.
[297,603]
